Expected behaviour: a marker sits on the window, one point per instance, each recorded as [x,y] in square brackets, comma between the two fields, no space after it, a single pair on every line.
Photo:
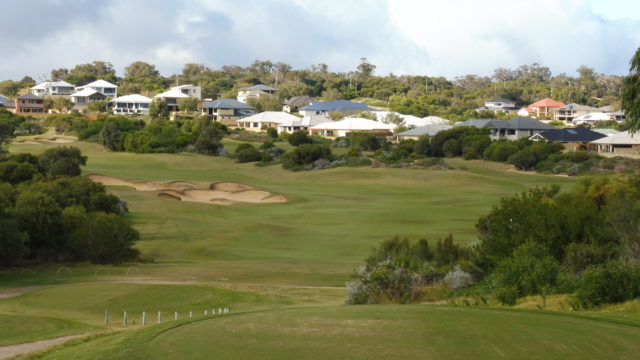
[511,132]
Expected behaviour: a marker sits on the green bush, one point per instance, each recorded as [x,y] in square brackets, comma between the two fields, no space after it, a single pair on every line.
[612,282]
[247,153]
[298,138]
[305,155]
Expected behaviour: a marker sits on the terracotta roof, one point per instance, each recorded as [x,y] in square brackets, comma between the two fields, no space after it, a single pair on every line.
[547,102]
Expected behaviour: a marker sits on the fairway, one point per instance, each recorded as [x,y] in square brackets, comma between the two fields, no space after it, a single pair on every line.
[331,220]
[15,329]
[372,332]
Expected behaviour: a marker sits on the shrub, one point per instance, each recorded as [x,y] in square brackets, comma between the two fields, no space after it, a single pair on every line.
[365,140]
[305,155]
[247,153]
[272,133]
[298,138]
[612,282]
[62,161]
[457,279]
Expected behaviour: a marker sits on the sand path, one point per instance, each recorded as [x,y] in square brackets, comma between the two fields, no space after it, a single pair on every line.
[26,348]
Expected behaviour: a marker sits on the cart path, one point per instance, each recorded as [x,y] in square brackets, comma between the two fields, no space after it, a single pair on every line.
[26,348]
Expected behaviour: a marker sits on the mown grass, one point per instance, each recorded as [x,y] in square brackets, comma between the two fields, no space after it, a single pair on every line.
[370,332]
[332,219]
[16,329]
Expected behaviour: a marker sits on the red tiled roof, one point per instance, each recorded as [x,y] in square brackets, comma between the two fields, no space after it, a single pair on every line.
[548,102]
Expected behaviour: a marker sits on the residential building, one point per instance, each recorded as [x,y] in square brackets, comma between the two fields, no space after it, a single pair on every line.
[545,108]
[499,104]
[573,139]
[512,130]
[131,104]
[6,103]
[415,134]
[102,86]
[346,126]
[226,111]
[606,131]
[254,92]
[571,111]
[295,103]
[303,123]
[52,88]
[409,121]
[623,143]
[82,98]
[29,104]
[343,106]
[617,116]
[267,119]
[591,118]
[179,92]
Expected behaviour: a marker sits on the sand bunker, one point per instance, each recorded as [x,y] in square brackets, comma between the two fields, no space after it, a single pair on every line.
[59,140]
[25,142]
[219,193]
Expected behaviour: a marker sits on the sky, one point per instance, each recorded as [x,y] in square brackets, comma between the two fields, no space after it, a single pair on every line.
[420,37]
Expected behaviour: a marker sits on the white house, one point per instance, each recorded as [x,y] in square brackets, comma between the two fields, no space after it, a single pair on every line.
[266,119]
[591,118]
[52,88]
[179,92]
[82,98]
[498,104]
[101,86]
[254,92]
[131,104]
[303,123]
[348,125]
[623,143]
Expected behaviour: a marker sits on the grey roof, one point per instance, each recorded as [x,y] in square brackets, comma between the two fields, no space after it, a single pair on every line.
[337,105]
[501,100]
[606,131]
[430,130]
[30,97]
[298,100]
[520,123]
[571,135]
[479,123]
[259,87]
[574,106]
[5,102]
[227,104]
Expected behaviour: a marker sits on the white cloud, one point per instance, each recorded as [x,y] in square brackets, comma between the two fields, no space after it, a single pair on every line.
[433,37]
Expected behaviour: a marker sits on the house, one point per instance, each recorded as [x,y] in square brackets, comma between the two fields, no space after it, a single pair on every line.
[569,112]
[226,111]
[477,123]
[295,103]
[303,123]
[101,86]
[254,92]
[263,120]
[82,98]
[346,126]
[189,89]
[618,116]
[324,107]
[498,104]
[516,128]
[409,121]
[131,104]
[171,97]
[29,104]
[526,111]
[573,139]
[7,104]
[591,118]
[545,108]
[623,143]
[606,131]
[415,134]
[52,88]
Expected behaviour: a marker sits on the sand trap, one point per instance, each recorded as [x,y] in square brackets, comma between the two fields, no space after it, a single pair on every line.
[59,140]
[25,142]
[219,193]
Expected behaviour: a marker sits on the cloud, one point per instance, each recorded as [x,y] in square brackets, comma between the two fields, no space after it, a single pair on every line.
[431,37]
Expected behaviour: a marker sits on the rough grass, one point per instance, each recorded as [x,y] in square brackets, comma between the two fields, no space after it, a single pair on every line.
[371,332]
[16,329]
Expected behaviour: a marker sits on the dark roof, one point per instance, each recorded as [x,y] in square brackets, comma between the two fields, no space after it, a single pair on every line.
[299,100]
[479,123]
[338,105]
[30,97]
[571,135]
[227,104]
[520,123]
[259,87]
[500,100]
[5,102]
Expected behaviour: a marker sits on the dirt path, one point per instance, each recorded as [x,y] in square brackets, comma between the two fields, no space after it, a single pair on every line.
[23,349]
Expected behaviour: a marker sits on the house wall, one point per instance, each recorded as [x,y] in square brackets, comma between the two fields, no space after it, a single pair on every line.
[619,149]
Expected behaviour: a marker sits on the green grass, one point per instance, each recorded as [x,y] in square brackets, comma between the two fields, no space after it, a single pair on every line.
[16,329]
[332,219]
[371,332]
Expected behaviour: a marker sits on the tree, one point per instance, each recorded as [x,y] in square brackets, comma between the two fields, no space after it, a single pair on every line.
[631,94]
[141,76]
[98,106]
[40,216]
[208,141]
[299,137]
[83,74]
[304,155]
[62,103]
[109,136]
[63,160]
[266,103]
[159,109]
[188,104]
[247,153]
[105,239]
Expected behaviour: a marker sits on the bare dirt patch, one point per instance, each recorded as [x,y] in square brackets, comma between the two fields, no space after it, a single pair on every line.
[218,193]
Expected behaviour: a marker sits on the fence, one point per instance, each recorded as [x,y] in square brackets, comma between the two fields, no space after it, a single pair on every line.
[176,315]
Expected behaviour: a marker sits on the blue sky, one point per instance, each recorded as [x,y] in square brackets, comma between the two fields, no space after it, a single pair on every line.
[433,37]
